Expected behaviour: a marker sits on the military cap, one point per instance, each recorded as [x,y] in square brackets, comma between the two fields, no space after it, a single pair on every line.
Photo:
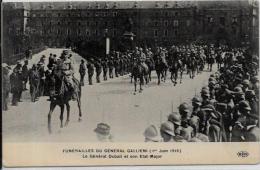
[211,79]
[152,133]
[19,63]
[208,107]
[250,94]
[196,100]
[184,107]
[255,79]
[175,118]
[205,88]
[244,105]
[238,90]
[168,127]
[205,92]
[103,129]
[246,82]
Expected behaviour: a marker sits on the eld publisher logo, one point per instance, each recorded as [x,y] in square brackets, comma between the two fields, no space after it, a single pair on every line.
[243,154]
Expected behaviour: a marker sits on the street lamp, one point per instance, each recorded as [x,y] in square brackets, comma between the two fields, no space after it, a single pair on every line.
[107,42]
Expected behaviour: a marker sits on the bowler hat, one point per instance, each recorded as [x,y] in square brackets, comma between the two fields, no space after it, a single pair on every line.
[103,129]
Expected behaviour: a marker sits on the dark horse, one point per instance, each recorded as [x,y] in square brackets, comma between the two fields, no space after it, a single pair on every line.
[150,64]
[140,72]
[61,94]
[191,67]
[161,69]
[176,66]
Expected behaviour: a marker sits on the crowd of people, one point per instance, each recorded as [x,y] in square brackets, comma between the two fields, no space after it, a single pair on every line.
[227,109]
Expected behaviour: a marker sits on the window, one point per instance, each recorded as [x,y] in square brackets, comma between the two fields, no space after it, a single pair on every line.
[156,14]
[96,32]
[165,33]
[58,23]
[114,33]
[155,33]
[188,23]
[106,23]
[50,23]
[114,14]
[234,20]
[58,32]
[68,32]
[96,23]
[59,15]
[175,32]
[166,14]
[87,23]
[87,32]
[175,23]
[156,23]
[79,23]
[210,19]
[79,32]
[165,23]
[176,13]
[222,20]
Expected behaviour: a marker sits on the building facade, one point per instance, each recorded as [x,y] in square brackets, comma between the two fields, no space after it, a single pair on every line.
[59,24]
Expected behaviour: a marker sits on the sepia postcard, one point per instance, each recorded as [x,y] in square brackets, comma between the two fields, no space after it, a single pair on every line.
[98,83]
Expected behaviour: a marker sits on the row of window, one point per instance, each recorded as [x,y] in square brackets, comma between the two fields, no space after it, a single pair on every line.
[222,20]
[97,14]
[106,14]
[156,33]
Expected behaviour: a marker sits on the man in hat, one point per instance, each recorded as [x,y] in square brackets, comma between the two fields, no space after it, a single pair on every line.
[196,103]
[25,74]
[41,71]
[151,134]
[205,95]
[98,69]
[252,131]
[91,68]
[5,85]
[253,101]
[82,72]
[111,67]
[167,131]
[239,121]
[105,68]
[16,81]
[103,133]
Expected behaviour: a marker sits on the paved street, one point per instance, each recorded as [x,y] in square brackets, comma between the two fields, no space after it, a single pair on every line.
[112,102]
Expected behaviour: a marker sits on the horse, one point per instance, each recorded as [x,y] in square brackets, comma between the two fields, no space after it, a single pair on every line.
[192,65]
[161,69]
[175,67]
[140,72]
[150,64]
[62,98]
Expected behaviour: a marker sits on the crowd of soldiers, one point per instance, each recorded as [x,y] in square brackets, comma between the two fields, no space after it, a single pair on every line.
[227,109]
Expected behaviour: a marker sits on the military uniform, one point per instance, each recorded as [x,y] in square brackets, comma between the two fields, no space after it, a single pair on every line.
[16,81]
[82,72]
[91,69]
[98,67]
[105,68]
[25,73]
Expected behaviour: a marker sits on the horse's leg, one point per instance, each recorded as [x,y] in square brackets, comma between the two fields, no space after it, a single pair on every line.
[135,83]
[141,82]
[68,113]
[158,76]
[79,106]
[181,76]
[52,107]
[61,114]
